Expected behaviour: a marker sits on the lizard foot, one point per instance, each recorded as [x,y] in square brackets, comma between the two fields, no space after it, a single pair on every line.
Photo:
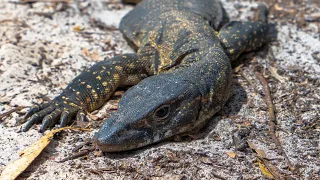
[58,110]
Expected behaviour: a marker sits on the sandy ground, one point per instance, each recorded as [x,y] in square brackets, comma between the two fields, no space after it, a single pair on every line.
[43,46]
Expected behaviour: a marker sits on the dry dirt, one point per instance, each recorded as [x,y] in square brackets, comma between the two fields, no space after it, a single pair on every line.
[44,45]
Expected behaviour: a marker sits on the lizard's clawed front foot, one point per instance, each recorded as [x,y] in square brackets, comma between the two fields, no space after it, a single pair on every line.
[59,110]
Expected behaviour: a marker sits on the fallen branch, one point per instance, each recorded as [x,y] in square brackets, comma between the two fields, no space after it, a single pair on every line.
[272,119]
[28,155]
[43,1]
[6,114]
[81,153]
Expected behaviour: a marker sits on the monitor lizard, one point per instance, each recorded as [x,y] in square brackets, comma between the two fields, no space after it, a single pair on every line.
[180,73]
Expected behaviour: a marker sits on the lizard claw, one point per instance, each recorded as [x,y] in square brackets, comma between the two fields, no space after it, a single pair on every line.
[67,115]
[81,116]
[65,118]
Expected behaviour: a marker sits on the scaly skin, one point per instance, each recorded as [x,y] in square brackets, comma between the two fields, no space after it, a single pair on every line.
[182,69]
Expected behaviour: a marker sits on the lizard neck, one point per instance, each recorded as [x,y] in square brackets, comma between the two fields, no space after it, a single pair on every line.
[212,77]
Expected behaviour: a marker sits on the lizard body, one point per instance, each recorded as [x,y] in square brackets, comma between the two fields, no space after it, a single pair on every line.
[181,72]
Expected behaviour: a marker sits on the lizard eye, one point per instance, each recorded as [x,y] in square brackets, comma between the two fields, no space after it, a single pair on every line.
[162,112]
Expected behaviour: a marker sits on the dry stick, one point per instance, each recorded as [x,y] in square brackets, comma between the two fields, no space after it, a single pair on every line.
[43,1]
[79,154]
[272,119]
[218,176]
[6,114]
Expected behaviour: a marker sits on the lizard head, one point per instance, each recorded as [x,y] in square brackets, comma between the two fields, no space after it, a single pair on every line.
[159,107]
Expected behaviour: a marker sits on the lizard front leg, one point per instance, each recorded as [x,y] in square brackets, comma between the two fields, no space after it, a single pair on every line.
[88,91]
[237,37]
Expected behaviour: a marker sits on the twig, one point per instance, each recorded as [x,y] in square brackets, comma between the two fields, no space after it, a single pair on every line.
[79,154]
[33,1]
[272,119]
[218,176]
[89,33]
[16,22]
[112,2]
[44,14]
[10,112]
[97,172]
[123,1]
[85,143]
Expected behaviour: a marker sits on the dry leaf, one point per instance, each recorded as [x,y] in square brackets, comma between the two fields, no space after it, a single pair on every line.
[231,154]
[171,155]
[272,169]
[91,55]
[265,172]
[77,28]
[15,168]
[84,52]
[238,68]
[277,7]
[260,152]
[275,74]
[94,56]
[206,160]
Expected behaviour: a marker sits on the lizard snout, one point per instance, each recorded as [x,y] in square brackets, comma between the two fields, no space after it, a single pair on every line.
[114,138]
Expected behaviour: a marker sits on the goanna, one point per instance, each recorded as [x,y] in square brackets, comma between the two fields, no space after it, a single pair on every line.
[181,72]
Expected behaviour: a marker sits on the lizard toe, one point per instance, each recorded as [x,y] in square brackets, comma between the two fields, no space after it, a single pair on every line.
[36,109]
[50,120]
[37,117]
[67,116]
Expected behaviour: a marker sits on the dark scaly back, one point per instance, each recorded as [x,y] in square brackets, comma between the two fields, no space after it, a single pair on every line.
[139,21]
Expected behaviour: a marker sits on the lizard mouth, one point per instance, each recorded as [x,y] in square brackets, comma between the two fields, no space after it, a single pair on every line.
[118,144]
[114,148]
